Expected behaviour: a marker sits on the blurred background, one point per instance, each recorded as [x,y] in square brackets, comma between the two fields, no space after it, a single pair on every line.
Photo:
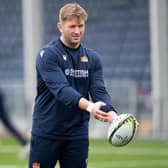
[130,35]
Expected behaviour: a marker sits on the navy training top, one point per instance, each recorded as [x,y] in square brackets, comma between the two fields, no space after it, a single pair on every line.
[64,75]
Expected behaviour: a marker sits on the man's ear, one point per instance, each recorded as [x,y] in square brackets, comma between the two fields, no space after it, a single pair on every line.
[59,25]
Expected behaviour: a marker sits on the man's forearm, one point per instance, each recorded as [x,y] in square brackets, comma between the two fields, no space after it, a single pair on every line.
[84,104]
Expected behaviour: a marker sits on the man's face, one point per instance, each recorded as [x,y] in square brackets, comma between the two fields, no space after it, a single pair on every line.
[72,31]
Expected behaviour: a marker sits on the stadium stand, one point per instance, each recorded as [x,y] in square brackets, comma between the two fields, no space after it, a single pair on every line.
[11,47]
[119,30]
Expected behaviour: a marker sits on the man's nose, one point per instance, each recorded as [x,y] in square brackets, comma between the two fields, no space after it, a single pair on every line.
[77,29]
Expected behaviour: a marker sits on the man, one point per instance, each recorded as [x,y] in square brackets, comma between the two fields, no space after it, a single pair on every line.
[11,128]
[67,73]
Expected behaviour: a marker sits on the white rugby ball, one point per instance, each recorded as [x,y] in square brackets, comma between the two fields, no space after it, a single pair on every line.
[122,130]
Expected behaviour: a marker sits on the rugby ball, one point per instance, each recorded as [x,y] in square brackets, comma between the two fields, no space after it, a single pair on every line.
[122,130]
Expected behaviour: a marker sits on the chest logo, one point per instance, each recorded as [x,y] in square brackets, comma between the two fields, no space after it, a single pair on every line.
[77,73]
[64,57]
[41,53]
[84,59]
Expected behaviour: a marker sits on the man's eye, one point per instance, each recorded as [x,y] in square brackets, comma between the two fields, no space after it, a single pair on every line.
[72,26]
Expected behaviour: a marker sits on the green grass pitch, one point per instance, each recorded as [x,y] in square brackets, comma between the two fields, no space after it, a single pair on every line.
[137,154]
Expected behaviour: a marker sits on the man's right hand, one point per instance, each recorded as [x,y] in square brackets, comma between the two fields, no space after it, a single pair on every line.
[94,109]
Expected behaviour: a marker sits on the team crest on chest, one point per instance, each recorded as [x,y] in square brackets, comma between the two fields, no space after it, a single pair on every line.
[84,58]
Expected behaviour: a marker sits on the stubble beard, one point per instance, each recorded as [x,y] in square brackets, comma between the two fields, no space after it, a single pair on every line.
[73,42]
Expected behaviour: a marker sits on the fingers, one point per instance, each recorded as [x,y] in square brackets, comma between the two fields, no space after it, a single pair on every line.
[112,115]
[102,119]
[99,104]
[137,123]
[101,113]
[101,116]
[105,117]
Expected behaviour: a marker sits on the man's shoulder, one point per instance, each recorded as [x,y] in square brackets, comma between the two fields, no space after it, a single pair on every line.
[51,48]
[91,52]
[52,45]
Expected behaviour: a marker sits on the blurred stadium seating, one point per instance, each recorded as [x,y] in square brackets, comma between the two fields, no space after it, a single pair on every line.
[11,46]
[119,32]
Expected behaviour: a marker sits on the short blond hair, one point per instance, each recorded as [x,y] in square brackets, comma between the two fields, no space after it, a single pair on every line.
[72,9]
